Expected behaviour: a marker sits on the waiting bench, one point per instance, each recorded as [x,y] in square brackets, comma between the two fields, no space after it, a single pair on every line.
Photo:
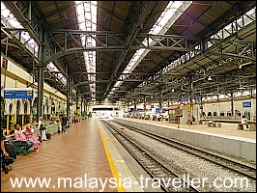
[252,127]
[214,124]
[19,146]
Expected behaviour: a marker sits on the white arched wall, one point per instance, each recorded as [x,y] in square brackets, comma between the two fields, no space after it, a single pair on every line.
[8,103]
[33,102]
[28,106]
[63,106]
[21,110]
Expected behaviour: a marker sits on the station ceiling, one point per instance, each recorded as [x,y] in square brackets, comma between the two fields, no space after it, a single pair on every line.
[181,62]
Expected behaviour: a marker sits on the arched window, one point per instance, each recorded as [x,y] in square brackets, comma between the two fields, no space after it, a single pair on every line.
[53,109]
[10,108]
[215,114]
[209,114]
[229,114]
[247,115]
[34,110]
[25,108]
[18,106]
[18,116]
[222,114]
[26,113]
[238,113]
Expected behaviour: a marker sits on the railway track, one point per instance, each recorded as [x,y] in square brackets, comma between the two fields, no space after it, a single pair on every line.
[233,165]
[155,167]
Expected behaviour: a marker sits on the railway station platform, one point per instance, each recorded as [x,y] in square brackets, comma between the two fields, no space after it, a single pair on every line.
[228,129]
[85,156]
[226,140]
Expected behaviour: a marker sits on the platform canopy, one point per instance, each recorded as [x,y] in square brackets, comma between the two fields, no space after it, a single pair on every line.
[128,50]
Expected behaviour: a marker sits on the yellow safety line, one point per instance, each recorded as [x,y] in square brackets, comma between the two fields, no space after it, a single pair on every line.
[115,173]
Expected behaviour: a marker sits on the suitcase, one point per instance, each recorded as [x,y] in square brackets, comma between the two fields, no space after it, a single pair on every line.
[8,161]
[9,147]
[7,164]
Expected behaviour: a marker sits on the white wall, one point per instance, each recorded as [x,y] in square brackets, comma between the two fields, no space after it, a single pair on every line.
[49,92]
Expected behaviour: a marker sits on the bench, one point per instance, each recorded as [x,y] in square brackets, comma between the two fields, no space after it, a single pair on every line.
[214,124]
[252,127]
[19,146]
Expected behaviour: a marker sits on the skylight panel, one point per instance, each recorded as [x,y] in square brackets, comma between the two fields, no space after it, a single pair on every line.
[87,17]
[170,14]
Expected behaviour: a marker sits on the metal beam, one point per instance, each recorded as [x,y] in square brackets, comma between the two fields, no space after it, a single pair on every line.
[137,17]
[167,42]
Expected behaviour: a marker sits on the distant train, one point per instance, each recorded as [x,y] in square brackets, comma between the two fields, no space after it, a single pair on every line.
[106,112]
[150,112]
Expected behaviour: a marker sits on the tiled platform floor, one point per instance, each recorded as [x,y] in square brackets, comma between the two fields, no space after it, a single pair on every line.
[78,153]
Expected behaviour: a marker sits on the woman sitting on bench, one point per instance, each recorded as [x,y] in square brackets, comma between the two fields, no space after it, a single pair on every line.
[31,137]
[19,136]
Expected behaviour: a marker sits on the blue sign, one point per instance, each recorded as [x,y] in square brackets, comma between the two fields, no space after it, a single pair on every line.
[184,99]
[18,94]
[246,104]
[197,99]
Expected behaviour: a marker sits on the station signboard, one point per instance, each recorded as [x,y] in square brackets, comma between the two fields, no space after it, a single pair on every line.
[246,104]
[26,93]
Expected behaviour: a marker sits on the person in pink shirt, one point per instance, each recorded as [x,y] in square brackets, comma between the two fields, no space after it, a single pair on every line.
[31,137]
[19,136]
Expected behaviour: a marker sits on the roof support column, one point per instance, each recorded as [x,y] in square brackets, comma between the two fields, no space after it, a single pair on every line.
[253,115]
[190,99]
[86,108]
[68,98]
[81,103]
[135,107]
[160,100]
[77,99]
[144,106]
[40,88]
[218,104]
[232,103]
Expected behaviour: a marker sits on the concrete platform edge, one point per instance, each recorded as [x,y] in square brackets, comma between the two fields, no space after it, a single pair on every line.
[230,146]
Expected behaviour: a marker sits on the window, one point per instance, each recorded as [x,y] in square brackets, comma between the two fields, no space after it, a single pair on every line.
[215,114]
[222,114]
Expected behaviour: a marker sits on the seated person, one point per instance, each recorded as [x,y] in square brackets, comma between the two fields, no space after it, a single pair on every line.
[3,138]
[31,137]
[19,136]
[244,121]
[8,154]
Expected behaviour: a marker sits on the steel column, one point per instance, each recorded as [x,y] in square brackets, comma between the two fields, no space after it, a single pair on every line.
[232,103]
[42,58]
[68,98]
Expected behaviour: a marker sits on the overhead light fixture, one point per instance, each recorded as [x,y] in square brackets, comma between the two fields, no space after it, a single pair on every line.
[173,90]
[209,78]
